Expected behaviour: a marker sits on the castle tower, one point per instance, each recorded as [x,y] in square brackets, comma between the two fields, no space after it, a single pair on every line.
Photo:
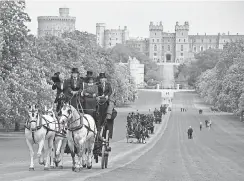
[181,42]
[125,35]
[100,33]
[155,41]
[56,25]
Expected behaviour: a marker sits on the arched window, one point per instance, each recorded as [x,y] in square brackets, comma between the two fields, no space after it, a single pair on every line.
[181,47]
[168,47]
[201,49]
[155,47]
[195,49]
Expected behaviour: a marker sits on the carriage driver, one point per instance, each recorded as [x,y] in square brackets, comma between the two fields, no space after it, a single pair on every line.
[74,86]
[105,90]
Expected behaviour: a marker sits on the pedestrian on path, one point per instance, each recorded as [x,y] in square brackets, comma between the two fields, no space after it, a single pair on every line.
[200,126]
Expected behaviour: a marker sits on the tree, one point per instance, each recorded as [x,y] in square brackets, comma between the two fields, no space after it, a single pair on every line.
[13,32]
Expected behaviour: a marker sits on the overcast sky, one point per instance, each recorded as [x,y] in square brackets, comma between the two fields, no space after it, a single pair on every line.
[203,17]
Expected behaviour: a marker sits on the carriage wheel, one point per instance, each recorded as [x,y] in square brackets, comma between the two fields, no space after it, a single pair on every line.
[104,162]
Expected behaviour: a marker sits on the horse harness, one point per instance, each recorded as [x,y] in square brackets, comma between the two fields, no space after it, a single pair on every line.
[47,127]
[72,130]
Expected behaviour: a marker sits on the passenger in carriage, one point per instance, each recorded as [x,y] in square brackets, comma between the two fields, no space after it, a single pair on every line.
[105,90]
[74,86]
[90,93]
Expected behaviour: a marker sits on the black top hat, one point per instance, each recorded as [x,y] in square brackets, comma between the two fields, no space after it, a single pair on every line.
[55,77]
[102,75]
[89,73]
[74,70]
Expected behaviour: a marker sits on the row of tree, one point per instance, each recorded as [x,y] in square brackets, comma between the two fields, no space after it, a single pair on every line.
[28,62]
[218,76]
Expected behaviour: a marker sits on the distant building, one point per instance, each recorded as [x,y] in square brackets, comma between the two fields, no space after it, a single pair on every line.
[140,44]
[173,47]
[56,25]
[136,70]
[109,38]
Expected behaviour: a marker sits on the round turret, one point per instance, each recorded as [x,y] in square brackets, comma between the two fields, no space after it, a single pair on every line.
[63,11]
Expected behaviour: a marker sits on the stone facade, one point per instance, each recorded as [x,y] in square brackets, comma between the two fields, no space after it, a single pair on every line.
[175,47]
[56,25]
[109,38]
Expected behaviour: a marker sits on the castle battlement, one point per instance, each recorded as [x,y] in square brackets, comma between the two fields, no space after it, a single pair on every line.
[184,27]
[153,27]
[53,18]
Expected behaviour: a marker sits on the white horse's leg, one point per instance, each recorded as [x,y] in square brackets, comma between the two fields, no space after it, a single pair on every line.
[90,147]
[41,152]
[30,145]
[64,142]
[48,150]
[84,153]
[72,149]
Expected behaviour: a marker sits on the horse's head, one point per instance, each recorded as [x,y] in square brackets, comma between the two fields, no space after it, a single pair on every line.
[49,111]
[66,113]
[34,118]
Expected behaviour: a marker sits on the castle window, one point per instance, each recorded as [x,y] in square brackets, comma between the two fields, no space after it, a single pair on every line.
[168,47]
[195,49]
[155,47]
[184,40]
[157,40]
[201,49]
[179,40]
[202,40]
[210,40]
[181,47]
[181,54]
[155,54]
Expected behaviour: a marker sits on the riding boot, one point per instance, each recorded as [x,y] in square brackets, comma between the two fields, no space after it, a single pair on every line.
[110,123]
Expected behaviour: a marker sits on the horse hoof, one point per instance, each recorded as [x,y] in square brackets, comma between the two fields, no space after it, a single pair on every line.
[89,167]
[46,168]
[31,169]
[60,167]
[52,167]
[76,169]
[41,163]
[84,166]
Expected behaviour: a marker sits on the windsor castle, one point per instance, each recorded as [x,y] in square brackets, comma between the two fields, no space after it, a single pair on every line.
[164,47]
[161,47]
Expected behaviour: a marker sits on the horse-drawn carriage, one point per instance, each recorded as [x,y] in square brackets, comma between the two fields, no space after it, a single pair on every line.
[81,135]
[200,111]
[158,116]
[138,127]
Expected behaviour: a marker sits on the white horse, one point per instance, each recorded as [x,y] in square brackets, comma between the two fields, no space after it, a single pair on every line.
[81,134]
[38,129]
[59,142]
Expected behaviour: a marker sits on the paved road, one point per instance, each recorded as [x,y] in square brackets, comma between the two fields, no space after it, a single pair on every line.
[214,154]
[14,154]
